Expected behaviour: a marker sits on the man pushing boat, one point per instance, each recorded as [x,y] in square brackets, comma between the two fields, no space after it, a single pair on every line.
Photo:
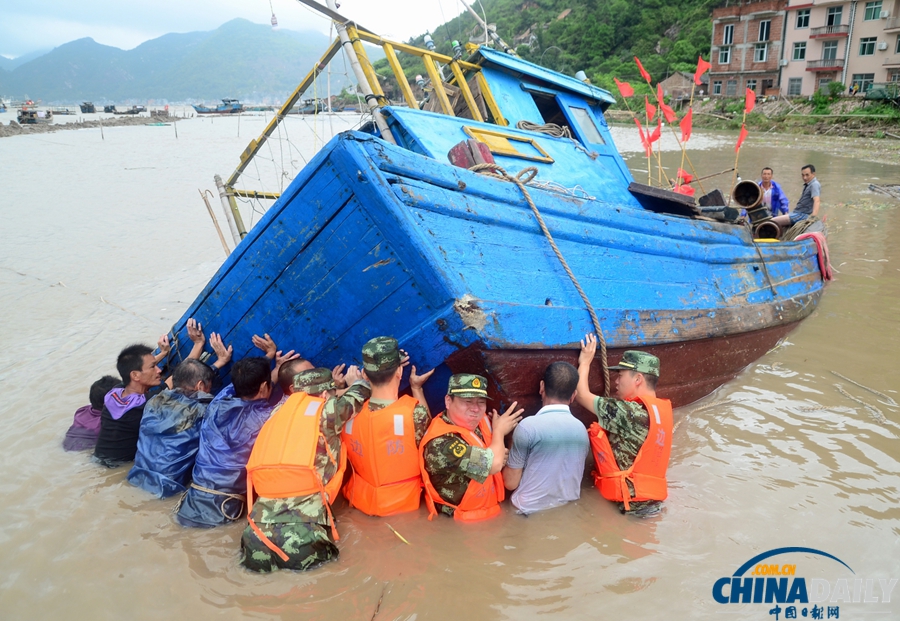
[632,439]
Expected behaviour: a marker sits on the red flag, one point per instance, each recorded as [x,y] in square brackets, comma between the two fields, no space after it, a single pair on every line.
[656,132]
[684,176]
[644,73]
[750,101]
[624,89]
[702,67]
[648,148]
[650,109]
[741,138]
[686,124]
[666,110]
[684,189]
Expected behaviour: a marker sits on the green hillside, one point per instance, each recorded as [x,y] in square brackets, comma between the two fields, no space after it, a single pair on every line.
[599,37]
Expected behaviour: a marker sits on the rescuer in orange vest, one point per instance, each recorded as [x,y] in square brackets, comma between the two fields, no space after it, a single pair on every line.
[296,469]
[382,442]
[463,452]
[632,440]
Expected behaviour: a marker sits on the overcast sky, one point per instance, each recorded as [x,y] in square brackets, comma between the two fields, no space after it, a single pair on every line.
[30,25]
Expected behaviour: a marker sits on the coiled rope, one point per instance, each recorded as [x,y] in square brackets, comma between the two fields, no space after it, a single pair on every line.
[524,176]
[226,497]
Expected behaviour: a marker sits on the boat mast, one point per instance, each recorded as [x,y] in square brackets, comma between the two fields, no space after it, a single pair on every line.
[493,33]
[363,83]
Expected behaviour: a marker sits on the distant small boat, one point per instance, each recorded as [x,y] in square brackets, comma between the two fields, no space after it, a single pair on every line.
[132,110]
[310,106]
[228,106]
[259,109]
[31,116]
[62,110]
[87,107]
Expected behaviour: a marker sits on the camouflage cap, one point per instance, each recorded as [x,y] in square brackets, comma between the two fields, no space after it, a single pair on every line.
[314,381]
[639,361]
[466,385]
[380,354]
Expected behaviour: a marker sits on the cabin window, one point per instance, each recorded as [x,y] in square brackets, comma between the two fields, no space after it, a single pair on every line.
[587,125]
[549,108]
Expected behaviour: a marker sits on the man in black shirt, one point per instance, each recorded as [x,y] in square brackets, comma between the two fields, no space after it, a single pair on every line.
[123,406]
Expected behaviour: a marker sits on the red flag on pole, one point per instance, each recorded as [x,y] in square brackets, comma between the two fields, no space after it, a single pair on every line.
[624,89]
[741,138]
[644,73]
[684,176]
[648,148]
[684,189]
[666,110]
[702,67]
[650,108]
[655,135]
[750,101]
[686,124]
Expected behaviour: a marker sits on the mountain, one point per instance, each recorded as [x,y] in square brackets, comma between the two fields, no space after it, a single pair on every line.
[239,59]
[8,64]
[599,37]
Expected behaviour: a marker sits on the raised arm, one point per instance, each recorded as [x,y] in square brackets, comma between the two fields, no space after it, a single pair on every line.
[583,394]
[195,333]
[416,383]
[502,425]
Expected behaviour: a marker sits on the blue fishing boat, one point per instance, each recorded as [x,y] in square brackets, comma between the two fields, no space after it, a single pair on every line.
[228,106]
[385,233]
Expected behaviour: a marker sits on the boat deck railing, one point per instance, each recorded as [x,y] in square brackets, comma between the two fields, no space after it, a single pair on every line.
[357,36]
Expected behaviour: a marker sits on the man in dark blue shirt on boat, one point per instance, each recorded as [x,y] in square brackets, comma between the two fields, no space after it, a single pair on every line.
[808,205]
[773,196]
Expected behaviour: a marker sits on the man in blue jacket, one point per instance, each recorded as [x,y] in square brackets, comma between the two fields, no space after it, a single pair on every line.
[773,197]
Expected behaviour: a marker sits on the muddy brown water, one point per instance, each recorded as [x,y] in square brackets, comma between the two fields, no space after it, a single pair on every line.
[106,242]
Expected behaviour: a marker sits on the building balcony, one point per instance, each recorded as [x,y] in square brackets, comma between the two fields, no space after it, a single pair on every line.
[892,25]
[825,64]
[830,32]
[892,61]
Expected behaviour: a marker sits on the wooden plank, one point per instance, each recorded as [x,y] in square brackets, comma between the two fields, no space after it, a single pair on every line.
[466,92]
[438,85]
[401,77]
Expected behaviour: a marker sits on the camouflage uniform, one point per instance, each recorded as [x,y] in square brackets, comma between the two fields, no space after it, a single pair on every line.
[450,461]
[300,525]
[627,423]
[381,354]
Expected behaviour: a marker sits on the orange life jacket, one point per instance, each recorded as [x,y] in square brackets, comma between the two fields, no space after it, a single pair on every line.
[481,500]
[283,461]
[648,472]
[381,446]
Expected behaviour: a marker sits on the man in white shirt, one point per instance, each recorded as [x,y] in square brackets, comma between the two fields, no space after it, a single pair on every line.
[549,449]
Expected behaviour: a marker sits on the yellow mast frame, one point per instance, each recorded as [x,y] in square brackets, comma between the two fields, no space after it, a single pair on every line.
[357,36]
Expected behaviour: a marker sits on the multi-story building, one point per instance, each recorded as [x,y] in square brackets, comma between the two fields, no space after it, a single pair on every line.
[746,47]
[855,42]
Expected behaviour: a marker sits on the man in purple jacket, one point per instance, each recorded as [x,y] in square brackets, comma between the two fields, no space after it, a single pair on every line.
[85,428]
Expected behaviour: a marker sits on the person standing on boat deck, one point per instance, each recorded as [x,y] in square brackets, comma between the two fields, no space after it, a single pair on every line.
[123,406]
[170,431]
[773,196]
[383,439]
[632,439]
[229,429]
[549,449]
[809,202]
[463,452]
[300,527]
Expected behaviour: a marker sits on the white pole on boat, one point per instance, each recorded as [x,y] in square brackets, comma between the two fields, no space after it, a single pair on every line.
[226,207]
[361,78]
[490,31]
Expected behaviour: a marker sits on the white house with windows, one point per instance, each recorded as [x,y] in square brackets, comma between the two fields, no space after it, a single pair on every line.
[855,42]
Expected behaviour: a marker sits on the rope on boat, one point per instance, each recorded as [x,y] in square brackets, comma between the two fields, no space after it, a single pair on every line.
[799,229]
[524,176]
[557,131]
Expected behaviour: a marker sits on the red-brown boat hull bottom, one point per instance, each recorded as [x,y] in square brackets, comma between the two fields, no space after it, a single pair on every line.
[690,370]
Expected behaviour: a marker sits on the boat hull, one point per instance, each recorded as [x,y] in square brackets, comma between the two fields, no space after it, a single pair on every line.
[371,239]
